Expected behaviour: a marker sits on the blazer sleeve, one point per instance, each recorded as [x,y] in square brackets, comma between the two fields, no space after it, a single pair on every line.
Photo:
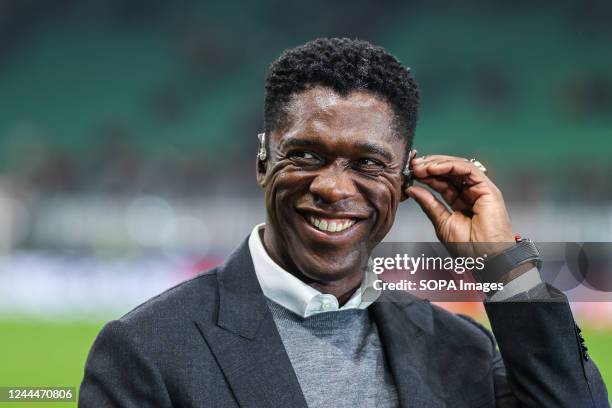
[542,360]
[118,373]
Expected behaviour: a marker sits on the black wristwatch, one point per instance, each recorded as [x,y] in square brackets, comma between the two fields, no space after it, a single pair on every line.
[522,252]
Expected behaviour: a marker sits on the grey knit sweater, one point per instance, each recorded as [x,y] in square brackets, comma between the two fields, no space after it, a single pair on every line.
[337,357]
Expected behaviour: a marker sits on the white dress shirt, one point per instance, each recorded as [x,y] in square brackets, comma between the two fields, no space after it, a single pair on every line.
[288,291]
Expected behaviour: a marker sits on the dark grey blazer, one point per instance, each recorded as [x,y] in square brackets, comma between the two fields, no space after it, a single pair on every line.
[212,342]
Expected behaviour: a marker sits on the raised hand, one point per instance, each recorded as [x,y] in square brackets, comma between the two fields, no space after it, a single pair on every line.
[477,211]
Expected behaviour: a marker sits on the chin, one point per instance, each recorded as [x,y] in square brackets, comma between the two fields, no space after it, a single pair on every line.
[319,266]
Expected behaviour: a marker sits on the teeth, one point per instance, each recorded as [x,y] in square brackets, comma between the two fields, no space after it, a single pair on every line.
[331,226]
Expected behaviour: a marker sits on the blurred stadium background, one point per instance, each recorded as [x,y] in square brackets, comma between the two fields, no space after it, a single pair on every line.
[128,137]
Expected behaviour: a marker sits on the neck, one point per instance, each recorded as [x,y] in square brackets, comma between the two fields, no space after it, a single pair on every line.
[342,288]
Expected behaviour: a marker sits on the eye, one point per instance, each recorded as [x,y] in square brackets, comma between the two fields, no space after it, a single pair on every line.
[305,157]
[369,163]
[368,166]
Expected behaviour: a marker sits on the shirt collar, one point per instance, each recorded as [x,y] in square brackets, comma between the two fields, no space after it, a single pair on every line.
[288,291]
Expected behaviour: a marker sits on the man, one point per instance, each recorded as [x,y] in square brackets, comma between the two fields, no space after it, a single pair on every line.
[291,319]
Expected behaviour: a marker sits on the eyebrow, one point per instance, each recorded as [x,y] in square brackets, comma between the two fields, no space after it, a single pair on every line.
[375,148]
[294,142]
[363,146]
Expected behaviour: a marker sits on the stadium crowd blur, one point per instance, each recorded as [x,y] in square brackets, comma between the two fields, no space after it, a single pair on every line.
[128,141]
[149,106]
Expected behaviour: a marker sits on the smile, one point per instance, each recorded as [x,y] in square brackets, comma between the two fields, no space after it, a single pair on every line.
[331,224]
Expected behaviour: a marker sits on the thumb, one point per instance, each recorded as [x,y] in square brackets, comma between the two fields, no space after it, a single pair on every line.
[435,210]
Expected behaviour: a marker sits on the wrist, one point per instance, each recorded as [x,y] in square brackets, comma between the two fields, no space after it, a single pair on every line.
[516,272]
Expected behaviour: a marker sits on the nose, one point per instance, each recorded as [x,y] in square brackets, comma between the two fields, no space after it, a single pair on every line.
[333,184]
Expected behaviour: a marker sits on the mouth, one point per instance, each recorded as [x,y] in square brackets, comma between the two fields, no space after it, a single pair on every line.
[331,229]
[331,224]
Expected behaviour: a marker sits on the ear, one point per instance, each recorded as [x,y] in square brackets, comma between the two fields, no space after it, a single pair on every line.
[405,184]
[261,168]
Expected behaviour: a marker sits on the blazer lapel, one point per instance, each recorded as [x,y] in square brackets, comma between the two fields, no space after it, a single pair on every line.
[404,326]
[245,340]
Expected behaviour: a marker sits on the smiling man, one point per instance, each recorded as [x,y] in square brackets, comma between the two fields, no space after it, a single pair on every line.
[291,319]
[332,185]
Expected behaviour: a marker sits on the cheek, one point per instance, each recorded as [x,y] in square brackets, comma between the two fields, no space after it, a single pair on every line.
[384,195]
[283,184]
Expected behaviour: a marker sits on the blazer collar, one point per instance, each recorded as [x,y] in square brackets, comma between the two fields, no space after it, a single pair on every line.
[245,341]
[405,324]
[242,305]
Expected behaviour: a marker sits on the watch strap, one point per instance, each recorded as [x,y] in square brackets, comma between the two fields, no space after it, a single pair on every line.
[522,252]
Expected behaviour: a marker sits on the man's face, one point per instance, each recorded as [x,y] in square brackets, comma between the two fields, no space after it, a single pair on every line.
[332,183]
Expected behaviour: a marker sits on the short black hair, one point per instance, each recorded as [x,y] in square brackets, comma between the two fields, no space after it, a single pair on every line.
[345,65]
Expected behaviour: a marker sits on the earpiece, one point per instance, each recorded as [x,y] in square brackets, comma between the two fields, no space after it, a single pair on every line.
[407,172]
[262,154]
[261,151]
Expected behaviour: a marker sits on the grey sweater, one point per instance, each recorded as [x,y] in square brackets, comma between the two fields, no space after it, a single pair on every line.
[337,357]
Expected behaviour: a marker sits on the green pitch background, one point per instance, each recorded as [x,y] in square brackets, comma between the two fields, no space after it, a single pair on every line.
[39,353]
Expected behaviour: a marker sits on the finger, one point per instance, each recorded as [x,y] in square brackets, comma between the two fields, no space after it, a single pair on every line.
[468,193]
[449,192]
[437,157]
[448,167]
[431,206]
[460,172]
